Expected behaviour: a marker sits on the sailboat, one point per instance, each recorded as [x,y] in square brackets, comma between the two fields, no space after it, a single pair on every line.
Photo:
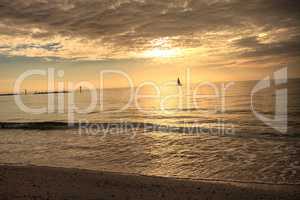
[179,82]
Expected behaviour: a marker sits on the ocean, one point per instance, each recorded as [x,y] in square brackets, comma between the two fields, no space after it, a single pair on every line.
[208,131]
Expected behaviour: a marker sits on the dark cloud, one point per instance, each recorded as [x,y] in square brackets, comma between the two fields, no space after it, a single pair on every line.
[289,47]
[4,47]
[127,22]
[48,47]
[247,42]
[132,24]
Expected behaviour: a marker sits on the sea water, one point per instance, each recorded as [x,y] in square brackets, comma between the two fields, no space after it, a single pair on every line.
[201,132]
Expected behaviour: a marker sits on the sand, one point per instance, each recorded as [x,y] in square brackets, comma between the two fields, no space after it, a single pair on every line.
[32,182]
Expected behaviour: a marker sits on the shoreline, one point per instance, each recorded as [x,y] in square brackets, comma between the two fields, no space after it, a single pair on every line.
[35,182]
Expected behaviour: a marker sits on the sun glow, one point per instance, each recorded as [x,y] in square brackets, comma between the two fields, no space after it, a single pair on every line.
[161,53]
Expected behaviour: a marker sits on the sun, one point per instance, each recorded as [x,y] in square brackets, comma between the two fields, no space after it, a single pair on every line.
[161,53]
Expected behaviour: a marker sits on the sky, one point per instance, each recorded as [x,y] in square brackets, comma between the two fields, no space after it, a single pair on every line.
[150,40]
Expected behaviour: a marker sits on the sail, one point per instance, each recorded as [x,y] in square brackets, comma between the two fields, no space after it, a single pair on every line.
[179,82]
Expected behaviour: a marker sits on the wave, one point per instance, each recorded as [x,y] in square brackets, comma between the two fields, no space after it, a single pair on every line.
[129,127]
[105,125]
[35,125]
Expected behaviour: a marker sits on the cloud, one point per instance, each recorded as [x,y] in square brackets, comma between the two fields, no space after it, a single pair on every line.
[49,47]
[99,29]
[256,48]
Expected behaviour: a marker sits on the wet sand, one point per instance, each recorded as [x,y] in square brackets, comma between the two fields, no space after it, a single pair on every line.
[32,182]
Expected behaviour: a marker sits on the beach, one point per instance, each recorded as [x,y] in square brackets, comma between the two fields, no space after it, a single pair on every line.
[34,182]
